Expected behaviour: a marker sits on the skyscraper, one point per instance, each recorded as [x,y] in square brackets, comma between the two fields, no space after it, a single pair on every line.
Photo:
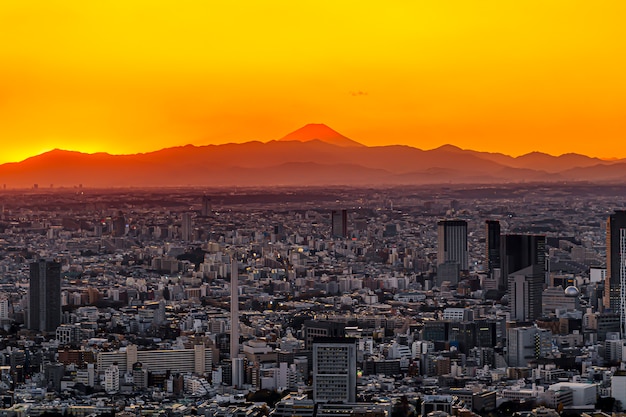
[452,243]
[186,227]
[334,370]
[615,283]
[492,245]
[339,223]
[44,296]
[206,206]
[525,344]
[518,252]
[237,366]
[526,293]
[523,269]
[118,225]
[234,309]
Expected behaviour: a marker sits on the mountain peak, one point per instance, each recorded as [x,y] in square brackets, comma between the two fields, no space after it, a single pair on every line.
[448,148]
[321,132]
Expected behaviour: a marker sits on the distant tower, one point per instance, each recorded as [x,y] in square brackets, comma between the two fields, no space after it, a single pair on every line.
[615,283]
[206,206]
[234,310]
[492,245]
[119,225]
[452,243]
[339,221]
[44,296]
[187,228]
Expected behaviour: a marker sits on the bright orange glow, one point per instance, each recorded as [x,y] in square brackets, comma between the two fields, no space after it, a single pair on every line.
[134,76]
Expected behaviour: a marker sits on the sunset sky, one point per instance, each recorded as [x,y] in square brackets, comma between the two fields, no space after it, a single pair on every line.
[128,76]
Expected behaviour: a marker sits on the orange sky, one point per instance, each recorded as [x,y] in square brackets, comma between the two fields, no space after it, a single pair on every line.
[130,76]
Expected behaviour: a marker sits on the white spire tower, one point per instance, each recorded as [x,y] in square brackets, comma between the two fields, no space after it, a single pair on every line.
[234,308]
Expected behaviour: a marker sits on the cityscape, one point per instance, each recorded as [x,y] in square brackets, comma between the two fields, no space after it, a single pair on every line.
[433,300]
[313,208]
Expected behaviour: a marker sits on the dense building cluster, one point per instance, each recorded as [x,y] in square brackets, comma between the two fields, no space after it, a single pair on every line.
[312,302]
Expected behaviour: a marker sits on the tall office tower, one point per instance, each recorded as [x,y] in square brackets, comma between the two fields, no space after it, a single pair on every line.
[112,379]
[452,243]
[492,245]
[44,296]
[526,293]
[525,344]
[615,283]
[339,222]
[5,307]
[518,252]
[206,210]
[237,372]
[186,228]
[334,370]
[234,309]
[119,225]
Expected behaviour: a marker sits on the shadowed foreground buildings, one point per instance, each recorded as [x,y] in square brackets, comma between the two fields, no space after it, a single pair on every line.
[44,300]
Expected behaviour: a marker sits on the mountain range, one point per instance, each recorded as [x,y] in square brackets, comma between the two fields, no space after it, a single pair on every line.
[313,155]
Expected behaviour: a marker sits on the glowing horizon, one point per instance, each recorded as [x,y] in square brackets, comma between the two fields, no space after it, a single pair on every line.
[136,77]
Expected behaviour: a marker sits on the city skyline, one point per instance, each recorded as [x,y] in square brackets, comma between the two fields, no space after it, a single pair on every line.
[132,78]
[149,311]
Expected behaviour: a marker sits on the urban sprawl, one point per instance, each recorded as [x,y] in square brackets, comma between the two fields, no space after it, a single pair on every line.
[504,300]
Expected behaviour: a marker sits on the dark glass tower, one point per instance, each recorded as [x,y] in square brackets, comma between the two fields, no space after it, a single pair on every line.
[492,245]
[44,298]
[339,223]
[523,265]
[521,251]
[452,243]
[615,257]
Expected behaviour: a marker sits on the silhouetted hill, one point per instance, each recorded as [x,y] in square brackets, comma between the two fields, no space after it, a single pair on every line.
[615,172]
[329,160]
[549,163]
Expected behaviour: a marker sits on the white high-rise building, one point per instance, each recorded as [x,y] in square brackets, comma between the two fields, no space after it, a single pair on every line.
[112,379]
[234,309]
[4,307]
[527,343]
[334,370]
[238,372]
